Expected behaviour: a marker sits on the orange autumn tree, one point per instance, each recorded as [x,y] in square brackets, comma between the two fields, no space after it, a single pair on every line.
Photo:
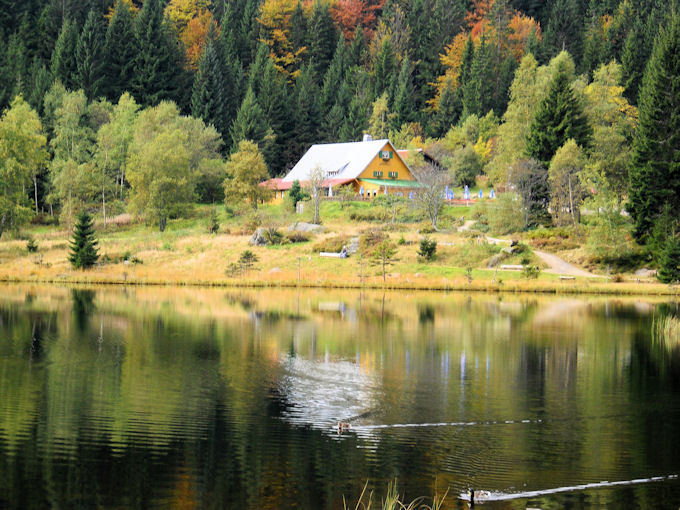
[191,20]
[275,19]
[194,36]
[349,14]
[509,28]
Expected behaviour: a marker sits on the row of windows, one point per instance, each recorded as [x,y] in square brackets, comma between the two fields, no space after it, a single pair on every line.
[378,174]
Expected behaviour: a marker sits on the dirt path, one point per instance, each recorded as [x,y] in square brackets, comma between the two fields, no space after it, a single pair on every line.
[559,266]
[555,264]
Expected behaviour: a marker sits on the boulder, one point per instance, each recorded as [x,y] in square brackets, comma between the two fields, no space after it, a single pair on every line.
[257,239]
[645,273]
[301,226]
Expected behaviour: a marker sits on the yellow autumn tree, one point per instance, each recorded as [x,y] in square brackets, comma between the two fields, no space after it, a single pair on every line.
[275,19]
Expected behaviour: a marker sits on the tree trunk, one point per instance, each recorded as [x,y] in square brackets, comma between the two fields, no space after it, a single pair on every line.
[571,203]
[35,192]
[104,204]
[162,221]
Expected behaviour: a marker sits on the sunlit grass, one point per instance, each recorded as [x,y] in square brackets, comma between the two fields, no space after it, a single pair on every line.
[666,331]
[393,501]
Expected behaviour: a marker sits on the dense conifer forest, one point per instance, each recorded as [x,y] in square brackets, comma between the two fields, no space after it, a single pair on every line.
[137,104]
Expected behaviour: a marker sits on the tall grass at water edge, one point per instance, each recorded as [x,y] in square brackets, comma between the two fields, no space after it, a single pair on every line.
[393,501]
[666,331]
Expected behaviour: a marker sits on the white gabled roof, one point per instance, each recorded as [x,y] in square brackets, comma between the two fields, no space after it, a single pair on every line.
[337,160]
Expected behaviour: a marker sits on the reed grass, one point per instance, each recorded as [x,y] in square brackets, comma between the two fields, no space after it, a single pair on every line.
[393,501]
[666,331]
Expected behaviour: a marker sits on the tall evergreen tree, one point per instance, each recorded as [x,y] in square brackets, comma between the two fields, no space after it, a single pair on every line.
[559,117]
[64,66]
[159,72]
[274,98]
[403,105]
[120,50]
[83,250]
[232,70]
[425,48]
[307,110]
[383,69]
[250,123]
[564,28]
[655,171]
[322,37]
[208,95]
[478,90]
[90,54]
[669,261]
[334,76]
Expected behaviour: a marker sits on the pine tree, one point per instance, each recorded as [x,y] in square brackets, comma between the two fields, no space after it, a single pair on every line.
[231,66]
[307,111]
[322,37]
[425,48]
[64,66]
[120,51]
[403,105]
[83,250]
[383,69]
[207,98]
[334,75]
[559,117]
[90,54]
[669,263]
[448,112]
[159,70]
[274,99]
[250,123]
[298,28]
[655,171]
[16,62]
[358,49]
[564,28]
[478,91]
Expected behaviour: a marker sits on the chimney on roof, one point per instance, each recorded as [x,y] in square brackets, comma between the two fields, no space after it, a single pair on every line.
[367,137]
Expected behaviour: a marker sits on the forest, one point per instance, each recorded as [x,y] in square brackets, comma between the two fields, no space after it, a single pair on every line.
[572,104]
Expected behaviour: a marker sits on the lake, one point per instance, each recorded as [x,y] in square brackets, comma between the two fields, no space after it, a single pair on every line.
[165,397]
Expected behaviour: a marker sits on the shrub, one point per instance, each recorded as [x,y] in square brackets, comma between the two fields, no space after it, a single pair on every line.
[428,248]
[531,271]
[402,240]
[213,222]
[369,239]
[504,214]
[31,246]
[373,214]
[332,244]
[273,236]
[297,237]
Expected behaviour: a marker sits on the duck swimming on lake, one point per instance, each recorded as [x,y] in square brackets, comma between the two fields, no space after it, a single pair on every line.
[478,496]
[343,426]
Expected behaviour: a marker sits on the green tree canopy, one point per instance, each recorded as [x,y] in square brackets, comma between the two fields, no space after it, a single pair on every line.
[655,171]
[246,169]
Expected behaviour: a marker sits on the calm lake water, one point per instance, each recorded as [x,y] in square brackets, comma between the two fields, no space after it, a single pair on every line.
[188,398]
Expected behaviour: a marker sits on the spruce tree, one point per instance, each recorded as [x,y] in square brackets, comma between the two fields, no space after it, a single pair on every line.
[669,263]
[250,123]
[120,50]
[383,69]
[274,99]
[322,37]
[425,49]
[334,75]
[655,171]
[307,111]
[207,98]
[231,66]
[559,117]
[159,70]
[90,54]
[64,66]
[83,250]
[478,91]
[403,105]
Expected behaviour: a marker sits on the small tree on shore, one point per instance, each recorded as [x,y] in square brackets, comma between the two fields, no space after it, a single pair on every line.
[430,195]
[428,248]
[315,190]
[383,254]
[83,253]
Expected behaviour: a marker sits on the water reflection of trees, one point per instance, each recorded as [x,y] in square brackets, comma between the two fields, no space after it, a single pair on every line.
[195,402]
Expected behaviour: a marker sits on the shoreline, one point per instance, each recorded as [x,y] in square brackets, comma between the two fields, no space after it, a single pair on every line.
[573,287]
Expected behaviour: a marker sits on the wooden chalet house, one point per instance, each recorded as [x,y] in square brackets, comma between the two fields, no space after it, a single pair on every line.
[370,167]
